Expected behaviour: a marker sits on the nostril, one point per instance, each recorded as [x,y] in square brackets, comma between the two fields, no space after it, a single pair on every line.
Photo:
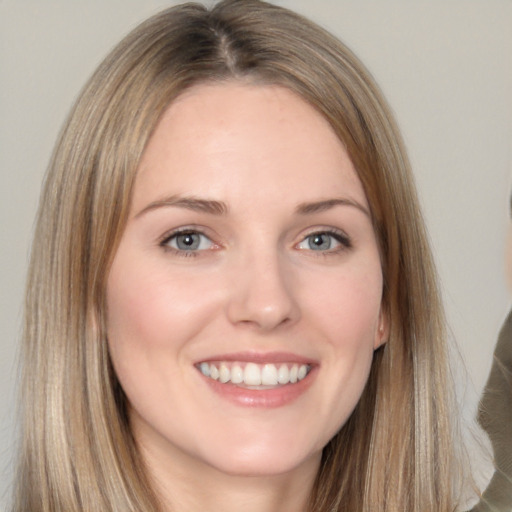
[264,318]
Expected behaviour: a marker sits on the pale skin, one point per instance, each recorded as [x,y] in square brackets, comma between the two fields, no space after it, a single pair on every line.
[249,240]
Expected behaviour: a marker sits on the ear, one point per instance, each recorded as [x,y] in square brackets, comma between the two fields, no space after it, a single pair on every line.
[382,333]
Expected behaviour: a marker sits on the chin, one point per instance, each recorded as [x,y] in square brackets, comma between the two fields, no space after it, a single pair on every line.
[264,459]
[264,467]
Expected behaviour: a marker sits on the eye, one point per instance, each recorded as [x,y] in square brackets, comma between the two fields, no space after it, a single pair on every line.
[188,241]
[325,241]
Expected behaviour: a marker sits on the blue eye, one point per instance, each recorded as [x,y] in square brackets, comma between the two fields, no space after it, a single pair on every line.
[320,242]
[186,241]
[324,241]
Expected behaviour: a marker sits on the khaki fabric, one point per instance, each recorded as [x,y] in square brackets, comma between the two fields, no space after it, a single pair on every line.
[495,417]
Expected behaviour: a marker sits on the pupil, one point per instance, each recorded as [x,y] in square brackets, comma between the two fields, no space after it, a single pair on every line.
[188,241]
[320,242]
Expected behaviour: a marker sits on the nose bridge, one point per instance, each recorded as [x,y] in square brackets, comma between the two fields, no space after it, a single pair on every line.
[262,291]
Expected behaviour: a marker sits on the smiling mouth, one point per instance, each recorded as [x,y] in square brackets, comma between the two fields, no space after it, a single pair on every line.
[253,375]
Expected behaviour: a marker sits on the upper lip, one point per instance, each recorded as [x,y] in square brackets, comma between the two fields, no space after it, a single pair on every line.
[260,358]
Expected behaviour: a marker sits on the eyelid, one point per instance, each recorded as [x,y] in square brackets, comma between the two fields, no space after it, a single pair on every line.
[163,241]
[188,228]
[339,235]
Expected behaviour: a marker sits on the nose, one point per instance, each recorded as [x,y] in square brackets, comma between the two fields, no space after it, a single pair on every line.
[261,293]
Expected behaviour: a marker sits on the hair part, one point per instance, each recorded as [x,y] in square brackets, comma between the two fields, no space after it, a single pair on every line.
[396,450]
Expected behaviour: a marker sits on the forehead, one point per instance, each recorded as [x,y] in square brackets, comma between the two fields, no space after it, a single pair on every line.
[230,139]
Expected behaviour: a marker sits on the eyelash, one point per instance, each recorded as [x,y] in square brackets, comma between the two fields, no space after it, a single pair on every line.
[338,235]
[168,237]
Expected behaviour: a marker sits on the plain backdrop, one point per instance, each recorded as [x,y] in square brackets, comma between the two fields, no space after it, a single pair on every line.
[444,65]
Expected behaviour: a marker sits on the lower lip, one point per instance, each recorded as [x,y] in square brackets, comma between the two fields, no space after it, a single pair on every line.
[264,398]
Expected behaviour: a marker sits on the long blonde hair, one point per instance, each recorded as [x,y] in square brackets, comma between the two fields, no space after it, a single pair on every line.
[395,453]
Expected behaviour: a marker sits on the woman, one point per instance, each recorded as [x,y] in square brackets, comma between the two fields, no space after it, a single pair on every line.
[231,297]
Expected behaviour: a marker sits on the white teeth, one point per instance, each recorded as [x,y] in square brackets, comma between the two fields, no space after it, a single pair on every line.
[303,371]
[269,375]
[252,374]
[214,372]
[224,373]
[283,375]
[205,369]
[237,374]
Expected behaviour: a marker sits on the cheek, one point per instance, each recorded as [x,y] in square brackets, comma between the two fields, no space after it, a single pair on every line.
[347,313]
[152,313]
[154,317]
[349,307]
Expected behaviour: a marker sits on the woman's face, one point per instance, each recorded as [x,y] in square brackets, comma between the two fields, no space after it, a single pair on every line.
[244,300]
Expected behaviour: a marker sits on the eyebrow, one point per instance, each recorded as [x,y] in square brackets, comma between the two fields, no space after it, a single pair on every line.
[190,203]
[220,208]
[327,204]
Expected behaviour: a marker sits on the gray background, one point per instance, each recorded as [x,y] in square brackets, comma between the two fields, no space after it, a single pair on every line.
[445,66]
